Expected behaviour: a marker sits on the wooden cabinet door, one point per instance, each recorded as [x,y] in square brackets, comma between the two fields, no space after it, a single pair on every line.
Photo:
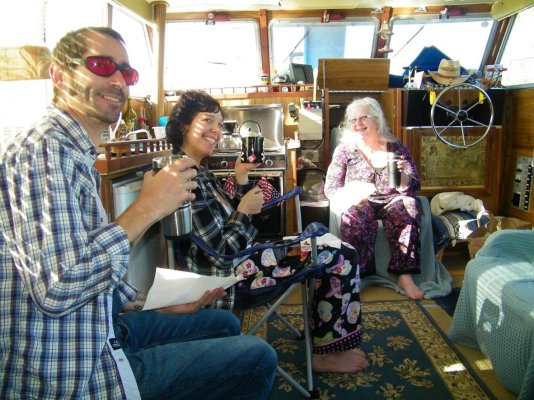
[475,171]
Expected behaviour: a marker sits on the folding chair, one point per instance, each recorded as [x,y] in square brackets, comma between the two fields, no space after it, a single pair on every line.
[282,291]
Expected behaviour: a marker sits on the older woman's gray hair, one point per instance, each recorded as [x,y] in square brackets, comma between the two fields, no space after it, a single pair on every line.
[374,111]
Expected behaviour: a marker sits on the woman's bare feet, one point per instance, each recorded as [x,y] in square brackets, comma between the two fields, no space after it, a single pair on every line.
[350,361]
[406,283]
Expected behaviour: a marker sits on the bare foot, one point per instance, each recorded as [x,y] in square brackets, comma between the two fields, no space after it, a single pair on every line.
[406,283]
[350,361]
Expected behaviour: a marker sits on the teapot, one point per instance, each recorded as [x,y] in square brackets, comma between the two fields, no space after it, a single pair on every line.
[231,140]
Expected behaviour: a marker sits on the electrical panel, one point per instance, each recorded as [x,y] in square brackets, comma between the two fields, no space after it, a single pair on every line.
[522,183]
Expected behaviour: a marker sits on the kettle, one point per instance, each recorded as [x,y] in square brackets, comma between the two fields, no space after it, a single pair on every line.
[230,140]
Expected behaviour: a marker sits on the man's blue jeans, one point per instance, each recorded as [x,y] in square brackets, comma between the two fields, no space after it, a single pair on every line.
[195,356]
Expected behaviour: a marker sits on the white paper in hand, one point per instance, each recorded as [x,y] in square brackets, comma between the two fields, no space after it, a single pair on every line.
[173,287]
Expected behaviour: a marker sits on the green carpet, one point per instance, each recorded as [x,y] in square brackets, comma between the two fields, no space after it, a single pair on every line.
[410,358]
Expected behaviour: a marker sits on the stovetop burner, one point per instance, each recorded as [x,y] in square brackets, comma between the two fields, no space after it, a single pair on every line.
[273,160]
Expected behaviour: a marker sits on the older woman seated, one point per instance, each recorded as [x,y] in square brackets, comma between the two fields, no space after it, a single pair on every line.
[357,185]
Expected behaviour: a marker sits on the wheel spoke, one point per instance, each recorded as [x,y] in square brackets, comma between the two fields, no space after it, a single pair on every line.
[476,122]
[472,106]
[442,107]
[446,127]
[463,133]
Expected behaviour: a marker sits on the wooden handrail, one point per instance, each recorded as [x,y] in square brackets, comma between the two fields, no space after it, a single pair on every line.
[122,155]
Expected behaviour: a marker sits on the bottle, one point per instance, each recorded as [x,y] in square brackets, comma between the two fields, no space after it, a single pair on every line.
[147,113]
[142,125]
[130,116]
[265,77]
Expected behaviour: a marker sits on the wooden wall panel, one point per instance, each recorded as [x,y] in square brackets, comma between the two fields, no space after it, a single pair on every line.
[519,128]
[456,166]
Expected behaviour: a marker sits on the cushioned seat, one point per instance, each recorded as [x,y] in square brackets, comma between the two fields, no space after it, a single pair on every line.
[495,309]
[434,279]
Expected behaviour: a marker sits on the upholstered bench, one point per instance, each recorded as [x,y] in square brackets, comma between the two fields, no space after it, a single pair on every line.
[453,226]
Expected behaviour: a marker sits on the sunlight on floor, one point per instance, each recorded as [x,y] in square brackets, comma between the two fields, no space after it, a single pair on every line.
[483,364]
[454,368]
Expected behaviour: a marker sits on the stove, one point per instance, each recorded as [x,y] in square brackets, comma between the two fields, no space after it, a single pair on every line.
[273,160]
[266,120]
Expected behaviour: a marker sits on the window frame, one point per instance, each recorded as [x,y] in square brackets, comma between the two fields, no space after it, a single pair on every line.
[317,22]
[256,51]
[435,18]
[502,49]
[149,84]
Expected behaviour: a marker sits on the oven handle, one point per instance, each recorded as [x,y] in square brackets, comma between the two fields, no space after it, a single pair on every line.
[292,193]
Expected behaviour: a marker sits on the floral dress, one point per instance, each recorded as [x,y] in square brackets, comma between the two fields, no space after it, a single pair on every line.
[397,209]
[336,309]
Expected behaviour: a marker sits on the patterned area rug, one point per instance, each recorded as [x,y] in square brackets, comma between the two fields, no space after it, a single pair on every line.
[410,357]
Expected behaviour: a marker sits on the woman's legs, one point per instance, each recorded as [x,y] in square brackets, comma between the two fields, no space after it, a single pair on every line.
[359,228]
[200,355]
[401,224]
[337,314]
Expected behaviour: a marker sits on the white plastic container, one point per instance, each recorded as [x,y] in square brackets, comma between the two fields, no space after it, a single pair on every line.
[159,132]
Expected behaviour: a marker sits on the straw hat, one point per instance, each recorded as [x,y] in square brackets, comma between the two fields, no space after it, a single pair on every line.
[448,73]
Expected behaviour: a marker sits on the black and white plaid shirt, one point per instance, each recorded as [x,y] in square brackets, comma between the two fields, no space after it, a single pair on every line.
[216,222]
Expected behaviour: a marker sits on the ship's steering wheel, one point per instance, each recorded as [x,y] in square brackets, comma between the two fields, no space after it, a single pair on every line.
[461,115]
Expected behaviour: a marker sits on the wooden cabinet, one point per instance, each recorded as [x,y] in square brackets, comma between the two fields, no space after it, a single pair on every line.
[118,161]
[475,171]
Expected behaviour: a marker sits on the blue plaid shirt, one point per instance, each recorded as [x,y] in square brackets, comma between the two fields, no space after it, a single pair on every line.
[59,263]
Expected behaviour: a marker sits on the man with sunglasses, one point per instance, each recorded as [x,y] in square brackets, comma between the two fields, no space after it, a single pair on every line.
[62,263]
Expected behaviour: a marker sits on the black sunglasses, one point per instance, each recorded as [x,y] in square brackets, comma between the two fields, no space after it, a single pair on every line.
[105,67]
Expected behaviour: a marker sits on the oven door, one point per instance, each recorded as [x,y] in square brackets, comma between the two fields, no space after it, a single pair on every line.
[270,223]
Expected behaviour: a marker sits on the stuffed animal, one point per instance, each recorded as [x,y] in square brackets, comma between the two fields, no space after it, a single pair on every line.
[454,201]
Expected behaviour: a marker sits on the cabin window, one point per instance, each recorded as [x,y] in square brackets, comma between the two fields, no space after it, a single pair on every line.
[304,41]
[135,33]
[39,23]
[201,55]
[518,54]
[459,38]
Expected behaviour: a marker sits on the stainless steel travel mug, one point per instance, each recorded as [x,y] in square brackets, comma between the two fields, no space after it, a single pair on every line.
[394,176]
[177,225]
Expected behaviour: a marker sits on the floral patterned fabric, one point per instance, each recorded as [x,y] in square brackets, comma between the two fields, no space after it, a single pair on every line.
[336,309]
[397,209]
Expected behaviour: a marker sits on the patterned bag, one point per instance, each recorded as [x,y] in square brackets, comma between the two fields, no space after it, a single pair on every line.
[269,191]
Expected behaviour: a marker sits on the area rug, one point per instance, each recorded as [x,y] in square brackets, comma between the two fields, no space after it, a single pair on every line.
[410,357]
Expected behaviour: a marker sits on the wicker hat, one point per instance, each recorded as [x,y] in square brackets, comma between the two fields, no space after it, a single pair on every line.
[448,73]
